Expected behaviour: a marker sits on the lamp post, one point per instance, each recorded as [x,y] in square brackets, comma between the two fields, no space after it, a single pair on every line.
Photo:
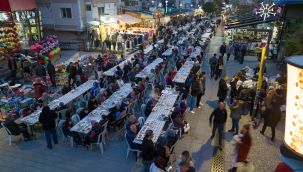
[181,7]
[166,3]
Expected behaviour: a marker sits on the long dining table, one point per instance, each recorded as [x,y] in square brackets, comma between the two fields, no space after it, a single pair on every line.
[33,118]
[156,120]
[84,126]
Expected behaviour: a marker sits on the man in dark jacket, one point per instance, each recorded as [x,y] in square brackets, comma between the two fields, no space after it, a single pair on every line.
[223,88]
[196,89]
[148,150]
[202,88]
[48,120]
[72,72]
[51,72]
[213,63]
[40,71]
[223,49]
[217,120]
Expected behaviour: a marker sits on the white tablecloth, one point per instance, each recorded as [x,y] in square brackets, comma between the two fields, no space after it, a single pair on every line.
[183,72]
[168,52]
[33,118]
[84,126]
[206,35]
[196,52]
[155,122]
[146,71]
[148,49]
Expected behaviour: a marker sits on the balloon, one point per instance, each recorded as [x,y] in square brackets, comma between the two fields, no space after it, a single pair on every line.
[51,54]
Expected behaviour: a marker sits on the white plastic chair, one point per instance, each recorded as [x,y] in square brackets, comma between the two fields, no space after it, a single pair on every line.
[104,132]
[143,107]
[75,119]
[129,149]
[141,120]
[61,134]
[63,113]
[98,143]
[9,134]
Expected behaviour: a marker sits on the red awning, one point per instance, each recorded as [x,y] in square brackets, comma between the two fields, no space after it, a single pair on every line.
[17,5]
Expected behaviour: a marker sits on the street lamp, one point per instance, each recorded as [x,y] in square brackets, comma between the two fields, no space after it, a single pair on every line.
[166,2]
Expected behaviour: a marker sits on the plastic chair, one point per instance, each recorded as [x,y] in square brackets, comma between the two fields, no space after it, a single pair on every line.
[129,149]
[9,134]
[61,134]
[104,133]
[75,119]
[79,110]
[143,107]
[141,120]
[62,113]
[98,143]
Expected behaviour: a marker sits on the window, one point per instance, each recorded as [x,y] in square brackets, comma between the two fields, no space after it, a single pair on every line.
[100,11]
[88,7]
[66,12]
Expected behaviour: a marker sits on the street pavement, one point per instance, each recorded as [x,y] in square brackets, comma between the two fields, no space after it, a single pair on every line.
[33,156]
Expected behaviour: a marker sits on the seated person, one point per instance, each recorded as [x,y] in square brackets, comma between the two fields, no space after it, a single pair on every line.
[132,120]
[178,121]
[92,104]
[110,90]
[171,137]
[17,129]
[66,88]
[131,135]
[92,136]
[84,113]
[149,107]
[61,106]
[37,105]
[163,149]
[45,98]
[68,124]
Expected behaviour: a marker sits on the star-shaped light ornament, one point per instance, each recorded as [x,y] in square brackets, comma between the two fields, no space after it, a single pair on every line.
[266,10]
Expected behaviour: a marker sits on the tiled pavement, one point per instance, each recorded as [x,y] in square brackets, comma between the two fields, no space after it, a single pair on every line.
[33,156]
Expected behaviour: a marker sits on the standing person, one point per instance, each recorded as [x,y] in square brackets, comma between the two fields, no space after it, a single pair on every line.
[219,67]
[47,119]
[72,71]
[235,114]
[40,71]
[223,88]
[273,115]
[51,72]
[223,49]
[217,120]
[229,51]
[242,147]
[148,150]
[195,91]
[201,89]
[243,53]
[213,63]
[12,65]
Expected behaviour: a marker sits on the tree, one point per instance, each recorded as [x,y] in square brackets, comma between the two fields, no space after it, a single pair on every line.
[209,7]
[293,41]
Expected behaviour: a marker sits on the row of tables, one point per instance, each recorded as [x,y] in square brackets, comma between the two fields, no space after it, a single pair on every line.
[33,118]
[156,120]
[111,71]
[84,126]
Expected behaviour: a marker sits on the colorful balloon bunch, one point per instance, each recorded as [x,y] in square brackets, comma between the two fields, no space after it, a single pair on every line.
[9,40]
[45,46]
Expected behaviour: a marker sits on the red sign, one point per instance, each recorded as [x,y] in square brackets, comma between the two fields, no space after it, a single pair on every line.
[17,5]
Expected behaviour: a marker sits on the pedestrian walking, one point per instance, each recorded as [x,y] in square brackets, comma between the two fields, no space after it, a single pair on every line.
[195,90]
[72,72]
[243,53]
[201,89]
[12,65]
[47,119]
[217,120]
[242,143]
[223,49]
[223,88]
[213,63]
[235,114]
[272,114]
[229,51]
[51,72]
[219,67]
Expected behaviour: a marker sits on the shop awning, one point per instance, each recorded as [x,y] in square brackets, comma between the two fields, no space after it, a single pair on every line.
[17,5]
[250,23]
[128,19]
